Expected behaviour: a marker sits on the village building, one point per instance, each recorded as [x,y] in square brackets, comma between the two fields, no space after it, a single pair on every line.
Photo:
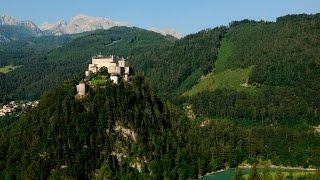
[12,107]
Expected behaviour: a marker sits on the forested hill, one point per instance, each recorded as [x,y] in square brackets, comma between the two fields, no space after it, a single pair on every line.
[279,54]
[250,91]
[17,52]
[43,70]
[262,71]
[265,72]
[169,64]
[166,61]
[124,131]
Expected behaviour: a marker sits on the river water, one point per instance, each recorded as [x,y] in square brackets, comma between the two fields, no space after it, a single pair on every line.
[229,173]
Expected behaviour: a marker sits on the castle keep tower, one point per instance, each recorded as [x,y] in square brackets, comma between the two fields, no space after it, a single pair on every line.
[122,62]
[81,89]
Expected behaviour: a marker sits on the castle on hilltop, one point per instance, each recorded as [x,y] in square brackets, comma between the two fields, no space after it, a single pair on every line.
[116,67]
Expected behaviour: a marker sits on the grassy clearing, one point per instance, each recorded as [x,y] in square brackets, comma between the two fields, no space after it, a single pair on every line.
[114,42]
[7,69]
[225,51]
[223,78]
[191,81]
[99,80]
[231,79]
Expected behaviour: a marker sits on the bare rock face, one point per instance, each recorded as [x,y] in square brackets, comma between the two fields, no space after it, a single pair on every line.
[79,24]
[11,21]
[55,28]
[30,25]
[8,20]
[13,29]
[167,31]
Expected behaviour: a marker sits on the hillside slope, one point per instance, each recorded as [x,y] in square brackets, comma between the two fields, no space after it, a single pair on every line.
[41,71]
[267,71]
[125,131]
[171,65]
[71,138]
[278,61]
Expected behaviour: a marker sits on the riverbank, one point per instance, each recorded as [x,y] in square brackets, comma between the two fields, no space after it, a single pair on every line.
[272,166]
[229,172]
[212,173]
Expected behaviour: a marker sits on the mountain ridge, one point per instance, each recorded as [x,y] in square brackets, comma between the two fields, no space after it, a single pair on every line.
[80,23]
[167,31]
[9,20]
[14,29]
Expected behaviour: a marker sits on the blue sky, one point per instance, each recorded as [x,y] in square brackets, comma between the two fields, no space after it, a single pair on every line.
[186,16]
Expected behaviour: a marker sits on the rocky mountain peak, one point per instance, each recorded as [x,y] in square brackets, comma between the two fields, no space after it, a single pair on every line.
[29,25]
[80,23]
[8,20]
[167,31]
[55,28]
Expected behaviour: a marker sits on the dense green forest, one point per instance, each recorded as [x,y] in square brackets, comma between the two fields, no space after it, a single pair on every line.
[42,70]
[283,85]
[65,137]
[252,89]
[19,52]
[283,54]
[162,58]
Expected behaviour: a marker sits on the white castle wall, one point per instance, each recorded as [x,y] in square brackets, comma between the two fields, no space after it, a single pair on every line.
[114,79]
[109,62]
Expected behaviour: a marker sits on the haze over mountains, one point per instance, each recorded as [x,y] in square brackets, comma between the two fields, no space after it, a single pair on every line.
[14,29]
